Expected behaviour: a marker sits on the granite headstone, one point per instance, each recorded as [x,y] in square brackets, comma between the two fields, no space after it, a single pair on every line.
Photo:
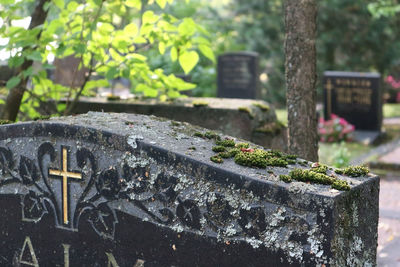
[238,75]
[131,190]
[355,96]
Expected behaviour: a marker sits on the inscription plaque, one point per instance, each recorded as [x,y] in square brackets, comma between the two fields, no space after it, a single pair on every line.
[357,97]
[129,190]
[238,75]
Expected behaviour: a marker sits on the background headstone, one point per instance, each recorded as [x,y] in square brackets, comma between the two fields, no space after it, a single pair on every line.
[67,72]
[356,97]
[238,75]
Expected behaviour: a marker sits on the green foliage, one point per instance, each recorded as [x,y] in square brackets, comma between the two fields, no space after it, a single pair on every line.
[112,39]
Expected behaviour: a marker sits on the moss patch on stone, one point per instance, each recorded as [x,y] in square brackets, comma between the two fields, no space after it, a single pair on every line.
[216,159]
[246,110]
[199,103]
[356,171]
[263,107]
[270,128]
[3,122]
[225,143]
[285,178]
[318,178]
[218,149]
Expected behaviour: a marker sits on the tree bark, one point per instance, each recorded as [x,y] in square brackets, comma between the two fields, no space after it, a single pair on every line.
[14,98]
[300,73]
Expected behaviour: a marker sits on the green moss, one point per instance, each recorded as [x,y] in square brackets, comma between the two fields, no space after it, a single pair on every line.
[318,178]
[253,159]
[113,97]
[242,145]
[340,185]
[3,122]
[270,128]
[175,123]
[226,143]
[278,162]
[42,118]
[263,107]
[218,149]
[320,169]
[339,171]
[356,171]
[216,159]
[289,156]
[291,161]
[192,148]
[198,134]
[225,155]
[199,103]
[246,110]
[285,178]
[212,135]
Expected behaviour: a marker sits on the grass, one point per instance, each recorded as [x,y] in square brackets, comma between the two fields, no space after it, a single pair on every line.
[391,110]
[333,153]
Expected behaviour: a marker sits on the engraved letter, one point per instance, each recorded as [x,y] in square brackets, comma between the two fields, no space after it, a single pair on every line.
[111,260]
[34,262]
[66,254]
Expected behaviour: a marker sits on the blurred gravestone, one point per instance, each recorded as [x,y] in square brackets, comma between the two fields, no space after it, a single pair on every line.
[67,72]
[356,97]
[238,75]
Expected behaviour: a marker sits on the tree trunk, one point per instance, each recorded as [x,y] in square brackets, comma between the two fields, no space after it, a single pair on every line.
[14,98]
[300,72]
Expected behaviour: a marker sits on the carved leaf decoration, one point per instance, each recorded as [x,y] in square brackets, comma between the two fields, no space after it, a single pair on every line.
[218,209]
[6,160]
[137,178]
[28,171]
[165,188]
[103,220]
[108,184]
[189,213]
[253,221]
[33,207]
[167,214]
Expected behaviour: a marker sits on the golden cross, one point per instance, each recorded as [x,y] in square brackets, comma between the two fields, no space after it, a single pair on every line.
[329,88]
[65,174]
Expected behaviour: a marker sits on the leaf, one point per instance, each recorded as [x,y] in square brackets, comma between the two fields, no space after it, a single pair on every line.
[59,3]
[174,54]
[134,3]
[161,48]
[34,56]
[14,81]
[187,27]
[161,3]
[33,207]
[6,160]
[27,72]
[149,17]
[188,60]
[131,29]
[28,171]
[103,220]
[15,61]
[111,73]
[207,52]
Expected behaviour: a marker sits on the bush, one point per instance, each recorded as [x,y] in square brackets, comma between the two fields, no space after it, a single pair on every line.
[335,130]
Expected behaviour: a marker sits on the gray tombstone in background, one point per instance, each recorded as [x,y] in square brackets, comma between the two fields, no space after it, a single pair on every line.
[238,74]
[67,72]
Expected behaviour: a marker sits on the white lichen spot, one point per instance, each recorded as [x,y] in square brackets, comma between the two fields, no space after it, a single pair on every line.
[230,230]
[131,140]
[255,243]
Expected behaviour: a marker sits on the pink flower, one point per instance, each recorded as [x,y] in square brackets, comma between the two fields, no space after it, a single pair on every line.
[322,130]
[389,79]
[334,116]
[342,121]
[330,139]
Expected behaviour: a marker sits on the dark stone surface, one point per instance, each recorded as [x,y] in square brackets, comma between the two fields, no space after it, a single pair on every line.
[222,114]
[355,96]
[136,192]
[238,75]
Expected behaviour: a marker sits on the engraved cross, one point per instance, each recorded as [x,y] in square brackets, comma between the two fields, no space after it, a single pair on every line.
[65,174]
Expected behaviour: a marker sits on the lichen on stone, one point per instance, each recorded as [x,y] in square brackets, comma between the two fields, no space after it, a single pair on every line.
[246,110]
[318,178]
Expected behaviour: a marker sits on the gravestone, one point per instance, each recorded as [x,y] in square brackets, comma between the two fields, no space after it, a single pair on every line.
[131,190]
[238,75]
[67,72]
[357,97]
